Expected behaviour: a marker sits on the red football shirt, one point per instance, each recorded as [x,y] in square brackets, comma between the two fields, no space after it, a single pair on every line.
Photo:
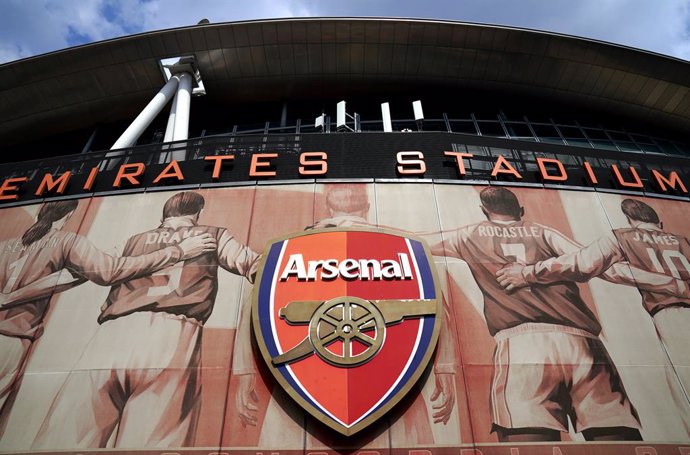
[21,265]
[187,288]
[488,246]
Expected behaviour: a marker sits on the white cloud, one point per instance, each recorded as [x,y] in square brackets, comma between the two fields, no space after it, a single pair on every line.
[9,52]
[176,13]
[38,26]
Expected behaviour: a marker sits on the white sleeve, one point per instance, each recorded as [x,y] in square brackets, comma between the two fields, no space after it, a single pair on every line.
[236,257]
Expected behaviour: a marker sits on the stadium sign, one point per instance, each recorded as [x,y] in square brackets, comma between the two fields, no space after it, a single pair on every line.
[643,174]
[347,320]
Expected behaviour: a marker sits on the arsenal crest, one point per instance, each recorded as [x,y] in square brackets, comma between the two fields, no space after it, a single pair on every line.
[347,320]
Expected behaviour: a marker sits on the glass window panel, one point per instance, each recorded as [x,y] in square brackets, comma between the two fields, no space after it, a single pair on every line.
[564,121]
[619,136]
[578,142]
[684,148]
[491,129]
[627,146]
[649,148]
[596,134]
[460,126]
[602,144]
[520,130]
[571,132]
[639,138]
[478,150]
[667,147]
[482,160]
[537,118]
[513,116]
[547,133]
[435,125]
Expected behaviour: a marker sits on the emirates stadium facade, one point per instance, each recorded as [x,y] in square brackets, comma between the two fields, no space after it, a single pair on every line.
[345,235]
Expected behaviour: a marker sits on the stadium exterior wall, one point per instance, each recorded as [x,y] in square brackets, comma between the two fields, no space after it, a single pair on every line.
[95,380]
[508,297]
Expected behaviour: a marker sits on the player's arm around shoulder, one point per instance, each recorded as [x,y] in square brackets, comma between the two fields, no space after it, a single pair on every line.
[235,257]
[105,269]
[452,241]
[558,242]
[581,264]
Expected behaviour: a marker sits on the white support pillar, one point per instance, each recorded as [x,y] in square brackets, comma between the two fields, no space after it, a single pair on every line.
[168,137]
[147,115]
[183,102]
[171,121]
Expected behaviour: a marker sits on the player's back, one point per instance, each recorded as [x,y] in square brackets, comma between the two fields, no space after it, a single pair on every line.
[489,246]
[21,265]
[186,288]
[654,250]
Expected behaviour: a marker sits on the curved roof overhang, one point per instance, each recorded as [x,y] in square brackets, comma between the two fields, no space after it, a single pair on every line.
[287,58]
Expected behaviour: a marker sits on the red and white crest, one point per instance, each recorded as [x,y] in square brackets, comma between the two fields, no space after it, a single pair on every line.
[347,320]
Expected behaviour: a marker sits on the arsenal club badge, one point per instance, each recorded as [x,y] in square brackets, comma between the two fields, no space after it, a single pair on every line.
[347,320]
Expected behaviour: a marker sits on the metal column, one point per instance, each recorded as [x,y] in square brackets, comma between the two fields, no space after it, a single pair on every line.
[144,119]
[181,108]
[171,121]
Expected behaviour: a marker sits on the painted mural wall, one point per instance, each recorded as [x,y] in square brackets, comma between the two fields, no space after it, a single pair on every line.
[125,322]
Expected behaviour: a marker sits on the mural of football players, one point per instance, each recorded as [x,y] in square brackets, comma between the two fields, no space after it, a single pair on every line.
[538,332]
[142,386]
[29,274]
[644,245]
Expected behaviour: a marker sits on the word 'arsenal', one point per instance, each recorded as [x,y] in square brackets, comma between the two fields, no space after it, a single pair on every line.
[349,269]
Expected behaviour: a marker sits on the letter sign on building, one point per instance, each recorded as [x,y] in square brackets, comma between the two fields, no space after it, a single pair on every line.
[347,320]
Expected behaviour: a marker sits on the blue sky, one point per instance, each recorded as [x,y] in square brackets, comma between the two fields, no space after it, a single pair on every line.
[31,27]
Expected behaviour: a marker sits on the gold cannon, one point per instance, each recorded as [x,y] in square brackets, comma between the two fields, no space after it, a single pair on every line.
[350,320]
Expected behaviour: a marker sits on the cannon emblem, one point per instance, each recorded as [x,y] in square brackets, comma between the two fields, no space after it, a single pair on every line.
[353,321]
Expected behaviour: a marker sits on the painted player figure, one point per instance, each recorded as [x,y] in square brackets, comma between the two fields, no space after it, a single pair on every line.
[348,206]
[144,361]
[27,271]
[646,246]
[546,336]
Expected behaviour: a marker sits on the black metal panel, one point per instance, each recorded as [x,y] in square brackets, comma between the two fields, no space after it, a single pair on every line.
[352,156]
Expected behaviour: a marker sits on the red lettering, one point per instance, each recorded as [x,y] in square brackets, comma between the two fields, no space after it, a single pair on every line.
[636,183]
[459,160]
[11,185]
[172,170]
[590,173]
[671,181]
[545,176]
[257,162]
[91,179]
[218,163]
[124,174]
[502,166]
[320,163]
[48,183]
